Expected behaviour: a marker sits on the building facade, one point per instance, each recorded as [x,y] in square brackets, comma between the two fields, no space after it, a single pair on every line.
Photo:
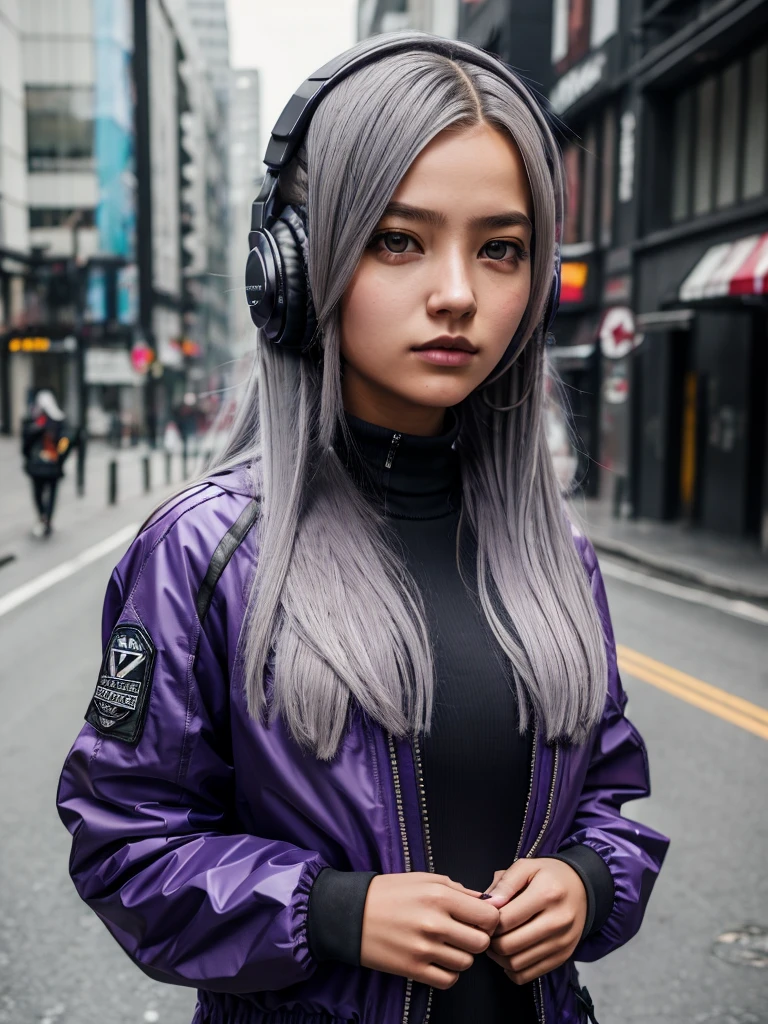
[110,319]
[437,16]
[14,226]
[666,252]
[246,171]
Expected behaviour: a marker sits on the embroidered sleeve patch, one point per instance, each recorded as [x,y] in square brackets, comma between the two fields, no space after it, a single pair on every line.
[119,705]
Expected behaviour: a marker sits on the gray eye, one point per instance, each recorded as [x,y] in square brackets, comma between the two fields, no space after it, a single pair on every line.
[496,250]
[395,241]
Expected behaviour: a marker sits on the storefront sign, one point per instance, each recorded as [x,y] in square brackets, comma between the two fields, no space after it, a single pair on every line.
[577,82]
[617,290]
[627,156]
[110,366]
[617,332]
[43,344]
[574,277]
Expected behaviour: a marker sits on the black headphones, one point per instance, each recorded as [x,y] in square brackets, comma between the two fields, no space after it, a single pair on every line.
[276,274]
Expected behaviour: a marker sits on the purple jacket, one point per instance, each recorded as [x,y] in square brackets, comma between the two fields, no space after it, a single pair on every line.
[198,844]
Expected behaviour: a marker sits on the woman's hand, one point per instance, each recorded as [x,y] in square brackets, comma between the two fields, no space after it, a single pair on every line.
[542,909]
[424,926]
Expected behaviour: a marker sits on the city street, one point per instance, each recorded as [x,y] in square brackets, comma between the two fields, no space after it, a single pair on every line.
[58,965]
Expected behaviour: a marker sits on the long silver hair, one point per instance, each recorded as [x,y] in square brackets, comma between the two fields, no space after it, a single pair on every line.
[333,611]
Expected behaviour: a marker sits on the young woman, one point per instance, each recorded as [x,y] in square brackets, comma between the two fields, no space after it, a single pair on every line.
[357,748]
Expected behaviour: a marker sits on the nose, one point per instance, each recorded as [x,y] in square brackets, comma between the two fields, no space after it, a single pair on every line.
[452,294]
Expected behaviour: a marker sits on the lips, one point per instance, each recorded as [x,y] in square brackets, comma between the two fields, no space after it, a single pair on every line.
[448,341]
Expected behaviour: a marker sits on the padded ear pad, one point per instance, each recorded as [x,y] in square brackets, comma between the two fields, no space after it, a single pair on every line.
[289,231]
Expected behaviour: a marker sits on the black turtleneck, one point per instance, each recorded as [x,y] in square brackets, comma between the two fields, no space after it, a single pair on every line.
[476,764]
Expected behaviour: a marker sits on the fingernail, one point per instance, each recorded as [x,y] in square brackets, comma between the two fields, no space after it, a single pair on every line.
[486,896]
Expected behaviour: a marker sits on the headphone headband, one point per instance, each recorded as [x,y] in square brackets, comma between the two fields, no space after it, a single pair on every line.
[292,124]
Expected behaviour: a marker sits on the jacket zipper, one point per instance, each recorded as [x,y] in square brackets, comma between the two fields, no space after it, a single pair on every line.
[406,850]
[427,838]
[394,444]
[538,987]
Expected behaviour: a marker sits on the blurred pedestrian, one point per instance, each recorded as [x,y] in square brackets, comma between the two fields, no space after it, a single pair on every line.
[357,747]
[46,442]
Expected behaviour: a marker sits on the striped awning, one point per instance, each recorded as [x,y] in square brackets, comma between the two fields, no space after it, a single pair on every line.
[731,268]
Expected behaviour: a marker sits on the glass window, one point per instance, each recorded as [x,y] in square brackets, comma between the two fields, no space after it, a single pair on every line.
[753,177]
[728,138]
[703,169]
[681,160]
[59,127]
[608,184]
[589,198]
[572,159]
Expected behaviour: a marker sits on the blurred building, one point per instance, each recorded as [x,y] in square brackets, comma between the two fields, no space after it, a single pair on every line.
[208,20]
[246,170]
[518,31]
[14,225]
[438,16]
[123,164]
[666,252]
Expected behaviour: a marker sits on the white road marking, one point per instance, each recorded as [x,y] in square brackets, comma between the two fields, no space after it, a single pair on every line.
[729,605]
[62,572]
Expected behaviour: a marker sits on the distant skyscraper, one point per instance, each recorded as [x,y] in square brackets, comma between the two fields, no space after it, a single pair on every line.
[208,19]
[246,169]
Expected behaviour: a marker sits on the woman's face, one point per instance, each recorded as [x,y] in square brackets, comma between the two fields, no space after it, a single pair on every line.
[443,284]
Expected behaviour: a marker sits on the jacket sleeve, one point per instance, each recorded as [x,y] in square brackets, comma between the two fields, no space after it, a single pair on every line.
[158,851]
[617,772]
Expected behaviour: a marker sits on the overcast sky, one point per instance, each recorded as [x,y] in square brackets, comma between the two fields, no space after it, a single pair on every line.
[287,40]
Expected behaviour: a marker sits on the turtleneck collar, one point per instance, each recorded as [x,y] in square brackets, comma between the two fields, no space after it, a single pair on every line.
[413,477]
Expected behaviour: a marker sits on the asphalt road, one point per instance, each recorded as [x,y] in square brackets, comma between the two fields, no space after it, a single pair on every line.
[58,965]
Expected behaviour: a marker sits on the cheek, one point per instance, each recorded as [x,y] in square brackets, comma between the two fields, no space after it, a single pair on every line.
[373,314]
[505,307]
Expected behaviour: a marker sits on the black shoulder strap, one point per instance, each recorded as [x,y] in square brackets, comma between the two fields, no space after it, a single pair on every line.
[228,545]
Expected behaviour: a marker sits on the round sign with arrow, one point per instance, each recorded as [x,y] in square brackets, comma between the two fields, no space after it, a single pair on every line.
[617,332]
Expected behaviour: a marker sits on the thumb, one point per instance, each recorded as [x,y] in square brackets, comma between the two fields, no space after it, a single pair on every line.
[507,884]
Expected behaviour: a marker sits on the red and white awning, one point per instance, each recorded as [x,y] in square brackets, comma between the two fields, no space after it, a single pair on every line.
[731,268]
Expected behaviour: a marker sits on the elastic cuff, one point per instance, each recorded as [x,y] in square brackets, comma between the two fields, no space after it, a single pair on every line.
[335,914]
[597,880]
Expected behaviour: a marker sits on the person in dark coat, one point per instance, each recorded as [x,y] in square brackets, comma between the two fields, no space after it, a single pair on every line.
[46,443]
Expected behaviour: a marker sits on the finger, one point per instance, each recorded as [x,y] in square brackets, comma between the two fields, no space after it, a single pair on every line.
[438,977]
[497,875]
[513,881]
[452,959]
[531,973]
[474,912]
[473,940]
[542,928]
[528,958]
[522,908]
[462,888]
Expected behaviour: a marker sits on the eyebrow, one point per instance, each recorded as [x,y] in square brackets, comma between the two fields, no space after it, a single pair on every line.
[513,219]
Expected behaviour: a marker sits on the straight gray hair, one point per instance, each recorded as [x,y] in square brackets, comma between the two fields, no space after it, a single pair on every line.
[333,608]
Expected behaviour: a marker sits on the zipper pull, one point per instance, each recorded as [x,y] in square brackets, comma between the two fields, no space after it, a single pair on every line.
[394,444]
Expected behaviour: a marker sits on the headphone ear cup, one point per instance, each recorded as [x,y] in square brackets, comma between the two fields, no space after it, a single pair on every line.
[300,320]
[291,333]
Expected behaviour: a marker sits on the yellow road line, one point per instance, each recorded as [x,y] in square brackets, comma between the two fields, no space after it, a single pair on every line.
[715,701]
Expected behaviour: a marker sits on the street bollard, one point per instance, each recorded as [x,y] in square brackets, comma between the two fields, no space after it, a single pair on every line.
[168,467]
[184,467]
[112,482]
[80,479]
[147,474]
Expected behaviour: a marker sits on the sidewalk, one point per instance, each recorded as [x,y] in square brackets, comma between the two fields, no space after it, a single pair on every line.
[727,565]
[75,514]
